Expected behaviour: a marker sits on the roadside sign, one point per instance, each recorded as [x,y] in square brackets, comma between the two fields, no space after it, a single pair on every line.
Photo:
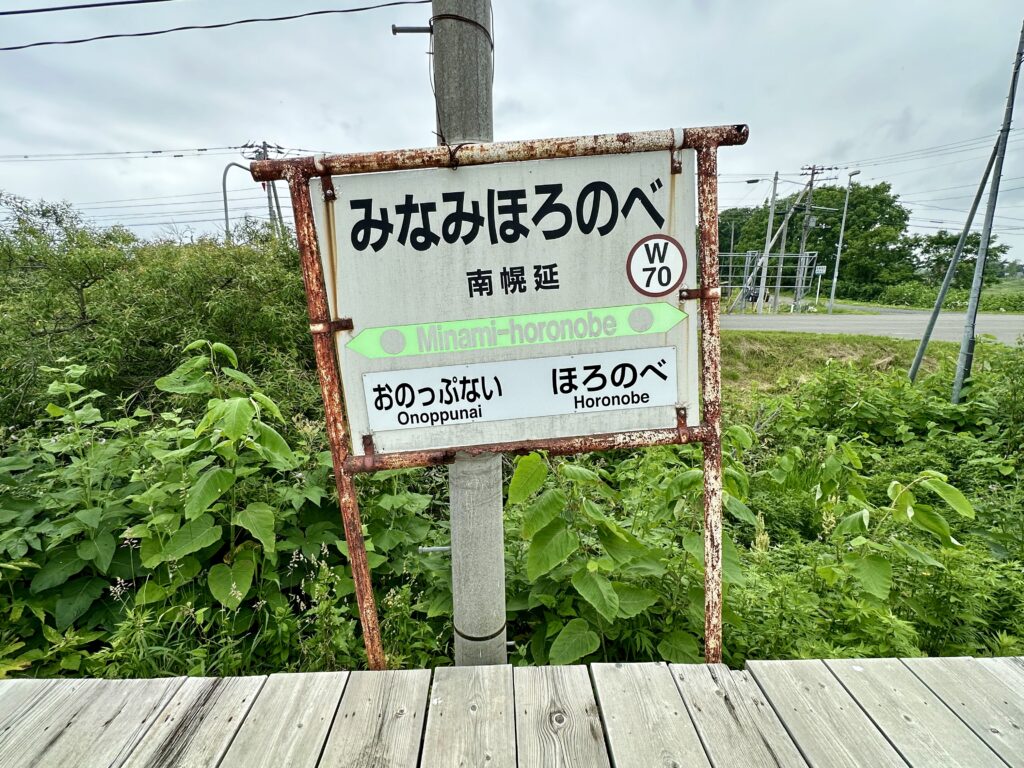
[819,269]
[513,301]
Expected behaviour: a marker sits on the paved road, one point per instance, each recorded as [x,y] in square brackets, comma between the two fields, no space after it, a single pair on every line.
[903,325]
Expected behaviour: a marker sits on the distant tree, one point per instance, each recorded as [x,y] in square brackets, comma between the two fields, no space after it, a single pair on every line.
[730,227]
[874,252]
[933,253]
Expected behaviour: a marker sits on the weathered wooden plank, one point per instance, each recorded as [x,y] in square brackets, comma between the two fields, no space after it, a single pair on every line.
[822,718]
[992,709]
[736,723]
[288,723]
[92,723]
[198,725]
[21,700]
[1009,669]
[645,720]
[380,720]
[471,721]
[923,729]
[557,722]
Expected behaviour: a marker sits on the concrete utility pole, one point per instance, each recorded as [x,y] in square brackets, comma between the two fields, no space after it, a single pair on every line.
[767,248]
[966,358]
[951,269]
[263,154]
[839,250]
[463,72]
[798,283]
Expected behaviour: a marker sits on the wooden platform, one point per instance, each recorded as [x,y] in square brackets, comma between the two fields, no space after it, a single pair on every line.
[878,712]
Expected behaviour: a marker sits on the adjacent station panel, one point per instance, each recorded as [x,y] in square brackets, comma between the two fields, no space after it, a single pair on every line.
[518,301]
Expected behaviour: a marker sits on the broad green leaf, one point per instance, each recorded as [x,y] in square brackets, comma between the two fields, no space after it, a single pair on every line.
[231,583]
[225,351]
[91,517]
[736,482]
[598,517]
[622,546]
[873,572]
[15,463]
[740,435]
[236,417]
[61,566]
[633,600]
[927,519]
[829,574]
[268,405]
[578,473]
[106,545]
[650,564]
[210,486]
[917,554]
[851,456]
[245,378]
[191,537]
[738,509]
[86,549]
[275,447]
[189,378]
[76,598]
[598,591]
[685,481]
[950,495]
[151,592]
[542,511]
[552,545]
[258,519]
[194,345]
[575,641]
[679,647]
[531,471]
[854,523]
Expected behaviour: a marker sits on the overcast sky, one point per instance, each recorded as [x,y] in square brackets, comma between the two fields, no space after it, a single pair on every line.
[849,84]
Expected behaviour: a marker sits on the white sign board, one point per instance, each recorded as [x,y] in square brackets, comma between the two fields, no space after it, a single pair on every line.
[819,269]
[512,302]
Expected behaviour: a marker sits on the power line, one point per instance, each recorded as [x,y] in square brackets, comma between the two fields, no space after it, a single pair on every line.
[160,197]
[221,25]
[947,148]
[82,7]
[118,154]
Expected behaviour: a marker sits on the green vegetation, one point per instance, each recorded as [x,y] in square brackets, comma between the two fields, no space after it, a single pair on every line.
[882,262]
[167,506]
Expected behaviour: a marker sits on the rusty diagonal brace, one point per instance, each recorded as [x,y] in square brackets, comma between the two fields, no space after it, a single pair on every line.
[297,172]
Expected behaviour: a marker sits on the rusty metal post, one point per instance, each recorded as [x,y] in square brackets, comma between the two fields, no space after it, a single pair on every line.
[337,431]
[711,393]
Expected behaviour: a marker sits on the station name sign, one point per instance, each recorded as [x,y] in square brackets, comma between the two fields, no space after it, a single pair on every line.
[515,301]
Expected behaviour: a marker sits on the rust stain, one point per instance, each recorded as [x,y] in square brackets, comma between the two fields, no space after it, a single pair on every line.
[558,446]
[711,391]
[500,152]
[337,429]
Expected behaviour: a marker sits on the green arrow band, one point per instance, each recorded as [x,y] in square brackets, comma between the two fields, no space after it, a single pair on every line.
[516,330]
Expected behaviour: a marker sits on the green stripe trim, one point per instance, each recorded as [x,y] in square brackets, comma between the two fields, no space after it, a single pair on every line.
[516,330]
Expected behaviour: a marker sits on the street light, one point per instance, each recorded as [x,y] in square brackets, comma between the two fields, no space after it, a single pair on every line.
[839,250]
[224,189]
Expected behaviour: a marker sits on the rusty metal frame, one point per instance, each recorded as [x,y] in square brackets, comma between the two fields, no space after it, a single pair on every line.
[706,141]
